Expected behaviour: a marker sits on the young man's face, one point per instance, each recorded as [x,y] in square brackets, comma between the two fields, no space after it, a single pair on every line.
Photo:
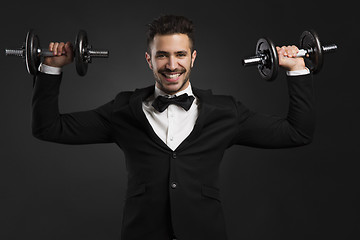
[171,61]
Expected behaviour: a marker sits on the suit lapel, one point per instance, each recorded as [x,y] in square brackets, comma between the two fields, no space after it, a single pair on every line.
[204,110]
[135,102]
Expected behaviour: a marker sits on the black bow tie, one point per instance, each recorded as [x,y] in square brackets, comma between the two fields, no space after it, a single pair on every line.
[184,101]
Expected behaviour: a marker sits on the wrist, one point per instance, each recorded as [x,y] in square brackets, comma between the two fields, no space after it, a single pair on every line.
[297,67]
[44,68]
[298,72]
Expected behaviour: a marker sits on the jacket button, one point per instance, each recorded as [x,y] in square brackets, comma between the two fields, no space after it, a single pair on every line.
[174,155]
[173,185]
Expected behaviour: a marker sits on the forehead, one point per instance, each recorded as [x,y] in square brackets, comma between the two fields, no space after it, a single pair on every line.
[170,43]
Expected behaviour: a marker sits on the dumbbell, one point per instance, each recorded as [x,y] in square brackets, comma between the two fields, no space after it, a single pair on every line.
[267,60]
[32,53]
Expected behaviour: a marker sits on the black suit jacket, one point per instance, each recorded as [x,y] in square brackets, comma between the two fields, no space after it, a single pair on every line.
[174,190]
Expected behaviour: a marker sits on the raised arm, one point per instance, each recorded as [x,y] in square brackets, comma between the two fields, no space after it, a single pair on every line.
[297,128]
[48,124]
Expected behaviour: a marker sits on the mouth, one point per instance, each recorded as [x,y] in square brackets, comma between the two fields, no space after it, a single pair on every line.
[171,77]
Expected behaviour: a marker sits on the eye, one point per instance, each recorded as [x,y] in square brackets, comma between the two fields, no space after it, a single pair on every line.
[160,56]
[181,54]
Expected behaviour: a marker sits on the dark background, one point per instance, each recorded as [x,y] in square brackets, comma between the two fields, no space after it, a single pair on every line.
[53,191]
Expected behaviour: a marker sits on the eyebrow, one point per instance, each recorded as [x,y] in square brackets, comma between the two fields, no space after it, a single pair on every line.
[167,53]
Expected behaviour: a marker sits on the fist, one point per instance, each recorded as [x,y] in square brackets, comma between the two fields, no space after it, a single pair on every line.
[63,54]
[288,59]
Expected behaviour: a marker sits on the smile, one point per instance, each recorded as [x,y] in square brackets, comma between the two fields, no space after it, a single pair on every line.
[172,76]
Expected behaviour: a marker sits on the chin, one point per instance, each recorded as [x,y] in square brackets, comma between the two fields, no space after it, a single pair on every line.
[171,88]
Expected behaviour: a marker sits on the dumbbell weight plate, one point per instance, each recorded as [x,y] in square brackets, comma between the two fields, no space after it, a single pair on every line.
[270,66]
[31,57]
[81,43]
[310,40]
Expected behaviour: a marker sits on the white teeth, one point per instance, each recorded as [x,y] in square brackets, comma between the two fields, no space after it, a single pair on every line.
[172,75]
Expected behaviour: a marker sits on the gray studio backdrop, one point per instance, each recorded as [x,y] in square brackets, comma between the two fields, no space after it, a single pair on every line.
[53,191]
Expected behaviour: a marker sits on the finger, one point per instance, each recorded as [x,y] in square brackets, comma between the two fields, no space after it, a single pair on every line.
[60,50]
[288,50]
[51,46]
[296,50]
[283,51]
[68,47]
[293,50]
[55,48]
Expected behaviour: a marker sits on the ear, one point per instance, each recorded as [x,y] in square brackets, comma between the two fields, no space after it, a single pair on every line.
[193,56]
[148,59]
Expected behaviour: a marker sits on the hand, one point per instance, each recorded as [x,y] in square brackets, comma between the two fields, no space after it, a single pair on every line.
[63,54]
[288,59]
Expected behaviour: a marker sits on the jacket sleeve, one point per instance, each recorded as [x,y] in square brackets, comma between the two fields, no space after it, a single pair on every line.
[296,129]
[48,124]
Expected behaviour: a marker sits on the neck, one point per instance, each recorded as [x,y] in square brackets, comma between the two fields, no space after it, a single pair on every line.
[187,89]
[182,88]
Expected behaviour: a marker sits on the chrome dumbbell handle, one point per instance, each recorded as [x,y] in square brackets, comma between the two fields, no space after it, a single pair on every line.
[98,53]
[89,54]
[47,53]
[15,52]
[22,53]
[325,49]
[255,60]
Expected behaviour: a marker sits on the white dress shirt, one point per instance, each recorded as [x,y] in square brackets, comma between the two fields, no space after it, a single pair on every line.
[174,124]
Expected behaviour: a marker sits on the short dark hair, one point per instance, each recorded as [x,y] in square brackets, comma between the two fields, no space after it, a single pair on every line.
[170,24]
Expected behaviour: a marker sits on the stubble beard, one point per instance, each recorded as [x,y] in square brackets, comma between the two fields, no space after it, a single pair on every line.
[169,91]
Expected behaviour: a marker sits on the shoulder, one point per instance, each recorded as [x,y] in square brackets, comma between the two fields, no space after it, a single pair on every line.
[125,97]
[207,97]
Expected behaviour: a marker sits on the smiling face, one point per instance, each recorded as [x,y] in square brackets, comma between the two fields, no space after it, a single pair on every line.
[171,60]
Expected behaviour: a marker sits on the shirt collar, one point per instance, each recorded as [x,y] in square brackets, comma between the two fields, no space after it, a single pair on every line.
[187,90]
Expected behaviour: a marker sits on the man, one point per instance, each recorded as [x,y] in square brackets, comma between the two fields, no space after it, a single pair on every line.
[173,135]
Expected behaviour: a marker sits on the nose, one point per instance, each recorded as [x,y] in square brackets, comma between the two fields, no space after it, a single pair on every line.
[172,63]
